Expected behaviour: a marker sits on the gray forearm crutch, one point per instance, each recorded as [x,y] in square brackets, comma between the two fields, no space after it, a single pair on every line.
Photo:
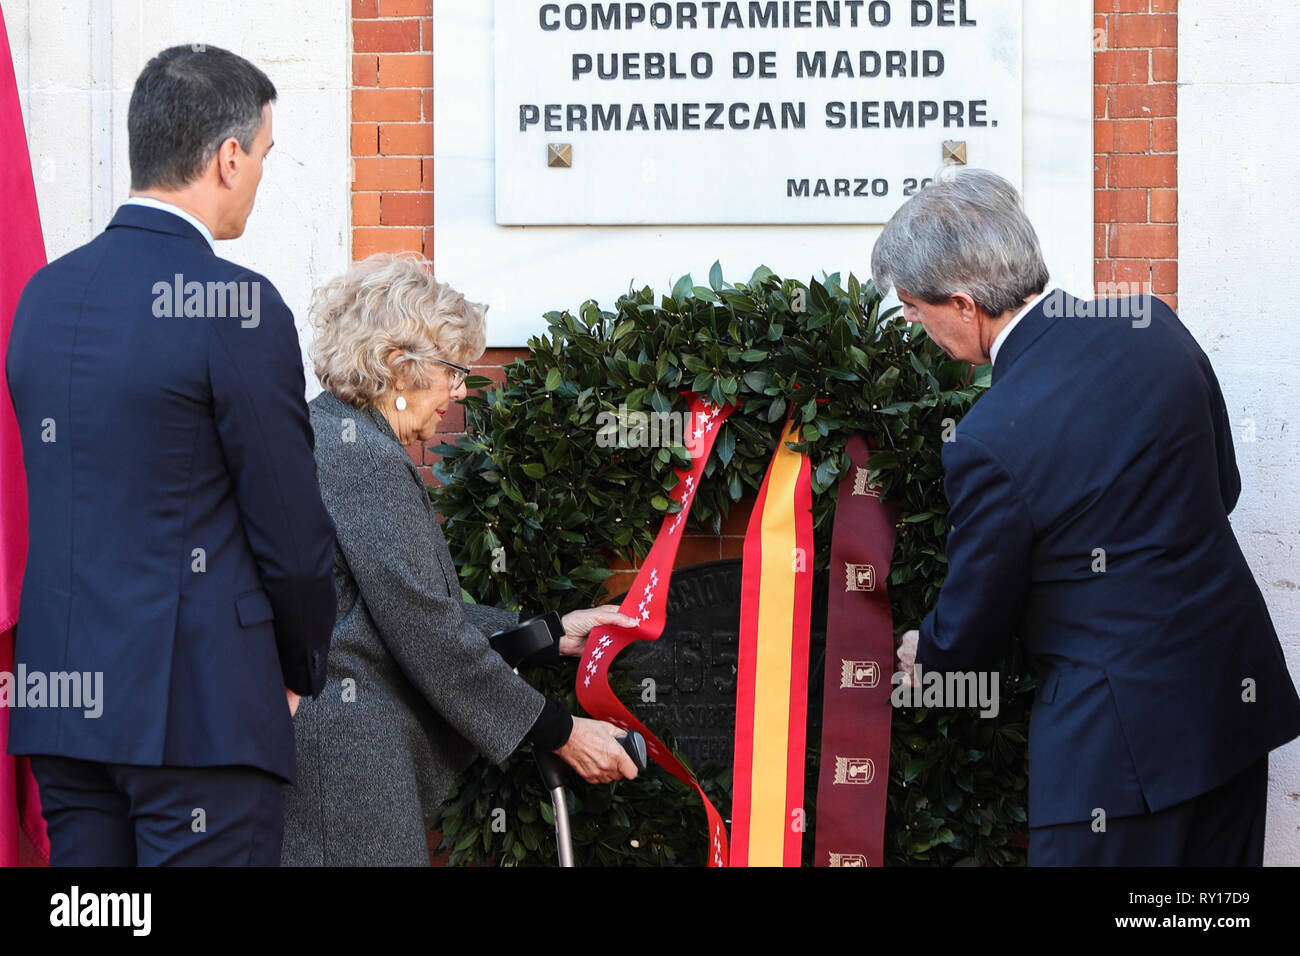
[529,637]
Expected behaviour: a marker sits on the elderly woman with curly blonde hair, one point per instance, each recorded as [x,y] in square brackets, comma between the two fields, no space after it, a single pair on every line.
[413,688]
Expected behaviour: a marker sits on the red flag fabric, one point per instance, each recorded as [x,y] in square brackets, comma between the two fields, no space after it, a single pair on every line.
[22,252]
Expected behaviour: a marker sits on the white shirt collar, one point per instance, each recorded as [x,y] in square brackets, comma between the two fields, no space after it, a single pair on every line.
[1015,320]
[176,211]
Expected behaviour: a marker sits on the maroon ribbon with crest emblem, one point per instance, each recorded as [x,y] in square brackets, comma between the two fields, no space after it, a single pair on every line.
[856,710]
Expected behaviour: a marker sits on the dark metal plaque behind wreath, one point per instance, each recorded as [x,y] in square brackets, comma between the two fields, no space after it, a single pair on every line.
[693,664]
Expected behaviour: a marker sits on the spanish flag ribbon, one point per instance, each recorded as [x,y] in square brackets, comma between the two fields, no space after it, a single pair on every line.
[772,666]
[648,601]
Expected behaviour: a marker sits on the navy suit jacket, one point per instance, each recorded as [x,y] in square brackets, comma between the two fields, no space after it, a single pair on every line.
[179,544]
[1160,677]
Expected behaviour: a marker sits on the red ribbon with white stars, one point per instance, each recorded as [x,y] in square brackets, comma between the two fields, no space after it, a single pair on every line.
[648,601]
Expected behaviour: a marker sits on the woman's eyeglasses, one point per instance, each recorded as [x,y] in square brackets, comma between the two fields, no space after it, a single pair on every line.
[458,373]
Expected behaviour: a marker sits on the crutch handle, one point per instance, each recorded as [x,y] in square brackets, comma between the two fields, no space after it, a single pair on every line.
[634,744]
[552,767]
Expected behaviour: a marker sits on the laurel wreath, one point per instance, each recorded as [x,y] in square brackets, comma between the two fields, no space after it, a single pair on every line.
[536,507]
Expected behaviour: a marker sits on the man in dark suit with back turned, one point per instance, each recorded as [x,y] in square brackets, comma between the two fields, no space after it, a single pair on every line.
[1089,491]
[179,546]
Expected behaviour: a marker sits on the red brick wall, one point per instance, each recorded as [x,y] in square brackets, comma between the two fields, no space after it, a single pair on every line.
[1135,143]
[392,150]
[1135,132]
[392,128]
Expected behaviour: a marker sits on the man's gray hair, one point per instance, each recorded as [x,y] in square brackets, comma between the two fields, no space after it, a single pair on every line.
[965,232]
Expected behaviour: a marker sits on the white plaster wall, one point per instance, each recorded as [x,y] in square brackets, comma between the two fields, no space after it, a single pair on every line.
[1238,96]
[525,271]
[76,62]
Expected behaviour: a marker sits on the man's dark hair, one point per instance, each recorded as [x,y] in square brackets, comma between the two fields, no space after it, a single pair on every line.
[187,102]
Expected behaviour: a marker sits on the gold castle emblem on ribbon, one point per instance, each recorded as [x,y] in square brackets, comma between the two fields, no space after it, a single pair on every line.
[859,577]
[859,673]
[856,770]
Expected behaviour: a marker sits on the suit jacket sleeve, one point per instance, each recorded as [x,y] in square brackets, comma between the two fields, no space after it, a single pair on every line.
[392,545]
[1229,477]
[989,547]
[255,373]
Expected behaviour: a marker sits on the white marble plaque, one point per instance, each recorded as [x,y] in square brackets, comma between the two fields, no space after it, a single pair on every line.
[777,111]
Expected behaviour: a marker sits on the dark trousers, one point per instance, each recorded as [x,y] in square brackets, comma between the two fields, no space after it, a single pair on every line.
[119,815]
[1221,827]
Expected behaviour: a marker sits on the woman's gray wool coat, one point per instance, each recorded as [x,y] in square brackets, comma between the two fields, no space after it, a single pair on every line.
[413,690]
